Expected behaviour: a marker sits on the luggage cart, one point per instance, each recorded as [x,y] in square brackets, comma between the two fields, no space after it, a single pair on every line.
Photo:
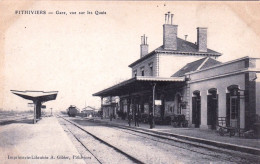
[179,120]
[224,129]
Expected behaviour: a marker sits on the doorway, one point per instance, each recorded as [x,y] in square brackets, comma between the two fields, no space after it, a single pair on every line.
[233,106]
[212,108]
[177,101]
[234,111]
[196,109]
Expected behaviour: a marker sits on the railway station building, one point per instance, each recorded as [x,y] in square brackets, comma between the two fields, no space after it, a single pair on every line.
[185,78]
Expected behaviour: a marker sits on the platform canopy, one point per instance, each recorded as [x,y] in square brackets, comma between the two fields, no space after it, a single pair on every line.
[138,83]
[36,95]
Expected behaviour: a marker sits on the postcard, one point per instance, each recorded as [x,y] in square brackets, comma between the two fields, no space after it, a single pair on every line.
[129,82]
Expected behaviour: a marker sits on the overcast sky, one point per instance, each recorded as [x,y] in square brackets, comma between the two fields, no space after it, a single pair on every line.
[79,55]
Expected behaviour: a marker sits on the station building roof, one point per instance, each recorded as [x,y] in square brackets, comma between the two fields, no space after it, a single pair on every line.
[196,65]
[183,48]
[138,83]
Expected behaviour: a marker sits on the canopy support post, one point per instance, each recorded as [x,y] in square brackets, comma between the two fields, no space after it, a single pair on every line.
[34,112]
[153,122]
[101,107]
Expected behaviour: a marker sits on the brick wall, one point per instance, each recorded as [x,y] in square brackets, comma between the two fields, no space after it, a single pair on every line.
[170,36]
[143,50]
[202,39]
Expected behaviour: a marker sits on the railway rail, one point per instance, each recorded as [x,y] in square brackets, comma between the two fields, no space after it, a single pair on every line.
[130,158]
[193,146]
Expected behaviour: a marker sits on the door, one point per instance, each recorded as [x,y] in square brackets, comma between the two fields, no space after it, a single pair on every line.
[233,106]
[212,110]
[196,111]
[234,109]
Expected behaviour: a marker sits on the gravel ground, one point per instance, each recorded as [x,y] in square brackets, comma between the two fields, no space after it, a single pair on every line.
[152,151]
[194,132]
[101,152]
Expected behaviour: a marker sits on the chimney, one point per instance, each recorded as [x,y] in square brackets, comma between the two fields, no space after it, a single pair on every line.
[202,39]
[143,46]
[186,36]
[169,33]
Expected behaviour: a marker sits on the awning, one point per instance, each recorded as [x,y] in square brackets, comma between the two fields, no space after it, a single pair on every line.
[36,95]
[137,84]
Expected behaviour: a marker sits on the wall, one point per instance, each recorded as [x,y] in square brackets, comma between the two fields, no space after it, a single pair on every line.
[164,65]
[258,94]
[145,64]
[258,88]
[221,85]
[220,78]
[169,63]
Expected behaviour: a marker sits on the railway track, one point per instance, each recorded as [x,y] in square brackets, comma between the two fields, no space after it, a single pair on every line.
[192,146]
[99,143]
[188,146]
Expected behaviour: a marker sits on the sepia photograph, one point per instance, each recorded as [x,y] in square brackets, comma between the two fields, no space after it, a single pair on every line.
[149,82]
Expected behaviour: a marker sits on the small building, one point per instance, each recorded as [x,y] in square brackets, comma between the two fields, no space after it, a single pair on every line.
[89,111]
[229,90]
[110,107]
[185,78]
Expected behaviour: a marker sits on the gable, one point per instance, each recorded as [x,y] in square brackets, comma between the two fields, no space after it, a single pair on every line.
[196,65]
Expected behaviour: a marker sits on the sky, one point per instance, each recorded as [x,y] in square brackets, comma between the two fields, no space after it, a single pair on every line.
[79,55]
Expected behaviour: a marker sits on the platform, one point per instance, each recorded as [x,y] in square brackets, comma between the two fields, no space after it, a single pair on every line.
[24,142]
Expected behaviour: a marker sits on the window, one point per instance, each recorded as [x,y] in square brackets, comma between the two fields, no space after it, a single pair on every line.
[234,103]
[135,73]
[142,71]
[151,69]
[234,111]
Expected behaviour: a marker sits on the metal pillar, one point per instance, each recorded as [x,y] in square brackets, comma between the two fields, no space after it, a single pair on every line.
[101,107]
[40,111]
[154,85]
